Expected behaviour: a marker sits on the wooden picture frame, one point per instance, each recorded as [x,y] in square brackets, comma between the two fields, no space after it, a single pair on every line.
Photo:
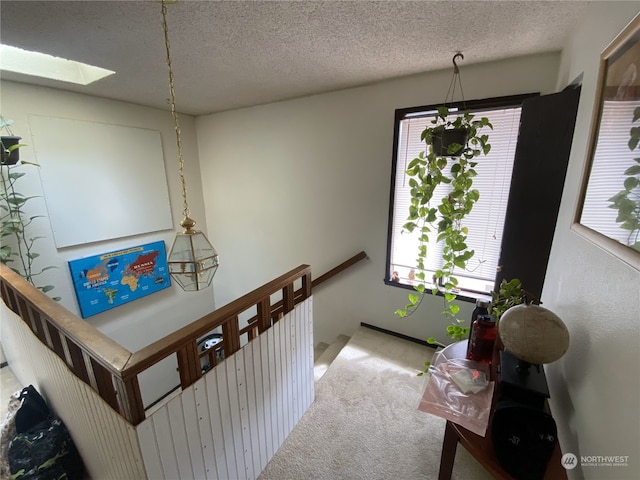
[608,210]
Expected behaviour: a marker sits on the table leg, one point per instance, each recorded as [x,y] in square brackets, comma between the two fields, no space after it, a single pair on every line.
[449,445]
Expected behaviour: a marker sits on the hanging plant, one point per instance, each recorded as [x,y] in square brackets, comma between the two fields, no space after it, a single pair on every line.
[444,217]
[452,146]
[9,144]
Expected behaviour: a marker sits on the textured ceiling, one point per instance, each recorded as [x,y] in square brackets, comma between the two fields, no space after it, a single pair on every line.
[232,54]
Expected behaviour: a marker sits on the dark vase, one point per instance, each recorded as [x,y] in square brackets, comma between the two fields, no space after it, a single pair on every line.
[10,158]
[444,138]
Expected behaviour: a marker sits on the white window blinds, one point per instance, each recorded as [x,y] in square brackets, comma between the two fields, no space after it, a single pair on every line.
[486,221]
[611,159]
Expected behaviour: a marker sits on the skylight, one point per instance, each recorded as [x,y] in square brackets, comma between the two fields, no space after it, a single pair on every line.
[13,59]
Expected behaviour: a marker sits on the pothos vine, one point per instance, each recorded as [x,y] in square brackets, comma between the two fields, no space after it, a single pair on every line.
[445,217]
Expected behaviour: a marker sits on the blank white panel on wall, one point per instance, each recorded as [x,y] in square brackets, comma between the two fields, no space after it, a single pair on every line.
[100,181]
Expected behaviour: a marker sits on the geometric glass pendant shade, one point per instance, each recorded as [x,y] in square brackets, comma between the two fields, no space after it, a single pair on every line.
[192,259]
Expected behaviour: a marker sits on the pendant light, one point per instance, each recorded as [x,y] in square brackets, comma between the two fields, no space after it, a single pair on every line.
[192,259]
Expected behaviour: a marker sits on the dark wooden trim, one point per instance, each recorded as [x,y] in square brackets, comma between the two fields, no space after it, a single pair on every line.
[339,269]
[492,103]
[104,383]
[288,298]
[155,402]
[231,336]
[398,335]
[151,354]
[264,315]
[105,350]
[129,399]
[189,363]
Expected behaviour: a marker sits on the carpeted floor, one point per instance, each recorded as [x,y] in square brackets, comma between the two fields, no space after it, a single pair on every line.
[364,422]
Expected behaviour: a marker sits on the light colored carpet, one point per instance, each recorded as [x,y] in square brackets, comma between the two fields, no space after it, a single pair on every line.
[364,422]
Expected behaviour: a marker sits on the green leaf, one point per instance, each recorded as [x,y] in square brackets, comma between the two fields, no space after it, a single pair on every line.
[459,246]
[630,183]
[443,112]
[633,170]
[16,175]
[409,226]
[449,297]
[459,263]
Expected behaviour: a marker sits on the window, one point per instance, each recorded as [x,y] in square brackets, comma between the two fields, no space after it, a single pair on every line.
[607,178]
[486,221]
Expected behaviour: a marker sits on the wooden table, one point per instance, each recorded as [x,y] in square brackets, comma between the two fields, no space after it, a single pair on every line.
[481,448]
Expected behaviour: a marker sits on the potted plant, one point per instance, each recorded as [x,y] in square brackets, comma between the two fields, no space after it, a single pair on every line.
[17,246]
[10,144]
[443,218]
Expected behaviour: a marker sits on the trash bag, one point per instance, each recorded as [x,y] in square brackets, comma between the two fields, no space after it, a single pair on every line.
[7,432]
[34,410]
[45,450]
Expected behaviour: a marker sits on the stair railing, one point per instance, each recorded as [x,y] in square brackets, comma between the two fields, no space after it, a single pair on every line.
[112,370]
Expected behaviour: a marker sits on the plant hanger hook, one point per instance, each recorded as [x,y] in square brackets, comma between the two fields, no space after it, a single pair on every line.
[452,85]
[456,69]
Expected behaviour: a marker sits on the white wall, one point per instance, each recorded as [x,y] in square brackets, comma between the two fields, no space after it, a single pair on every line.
[307,181]
[143,321]
[100,434]
[595,387]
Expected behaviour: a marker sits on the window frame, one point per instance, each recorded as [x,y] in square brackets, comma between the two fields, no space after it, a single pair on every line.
[401,114]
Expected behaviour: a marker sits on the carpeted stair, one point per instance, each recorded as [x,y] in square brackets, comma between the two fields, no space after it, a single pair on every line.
[324,354]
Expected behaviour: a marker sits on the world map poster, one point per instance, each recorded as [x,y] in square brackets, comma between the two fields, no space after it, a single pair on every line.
[112,279]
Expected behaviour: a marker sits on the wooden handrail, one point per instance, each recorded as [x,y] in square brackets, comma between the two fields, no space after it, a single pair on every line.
[314,284]
[339,269]
[143,359]
[102,348]
[113,371]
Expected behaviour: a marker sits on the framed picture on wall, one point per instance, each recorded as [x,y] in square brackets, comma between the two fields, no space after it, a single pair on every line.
[608,211]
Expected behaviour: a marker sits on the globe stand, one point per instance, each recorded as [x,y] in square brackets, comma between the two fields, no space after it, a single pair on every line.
[522,381]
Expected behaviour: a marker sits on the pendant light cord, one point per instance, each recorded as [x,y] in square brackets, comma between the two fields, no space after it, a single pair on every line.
[185,206]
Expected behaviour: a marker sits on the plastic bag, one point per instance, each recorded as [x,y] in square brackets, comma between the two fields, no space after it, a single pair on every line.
[444,398]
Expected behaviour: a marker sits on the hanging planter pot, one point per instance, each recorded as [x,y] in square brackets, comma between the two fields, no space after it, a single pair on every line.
[10,150]
[445,138]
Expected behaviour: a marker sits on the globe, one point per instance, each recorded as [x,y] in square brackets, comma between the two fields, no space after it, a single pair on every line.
[533,334]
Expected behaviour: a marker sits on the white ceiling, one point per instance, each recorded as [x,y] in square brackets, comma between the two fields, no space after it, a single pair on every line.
[232,54]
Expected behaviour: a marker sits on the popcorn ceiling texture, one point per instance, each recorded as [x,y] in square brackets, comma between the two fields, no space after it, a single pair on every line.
[229,55]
